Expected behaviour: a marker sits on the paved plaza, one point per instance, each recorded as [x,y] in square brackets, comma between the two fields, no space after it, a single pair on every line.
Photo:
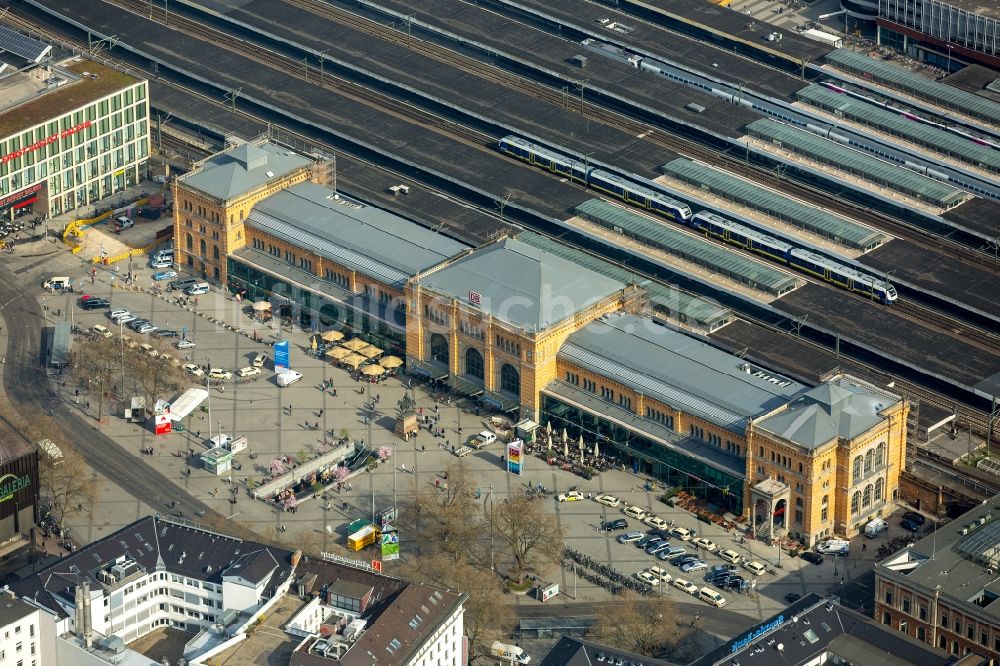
[274,420]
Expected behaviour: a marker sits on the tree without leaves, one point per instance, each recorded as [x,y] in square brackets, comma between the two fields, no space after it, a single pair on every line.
[645,626]
[530,533]
[156,375]
[98,363]
[67,483]
[447,515]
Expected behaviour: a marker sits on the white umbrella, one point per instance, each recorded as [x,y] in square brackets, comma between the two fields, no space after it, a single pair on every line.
[581,456]
[595,449]
[550,443]
[548,428]
[565,448]
[565,436]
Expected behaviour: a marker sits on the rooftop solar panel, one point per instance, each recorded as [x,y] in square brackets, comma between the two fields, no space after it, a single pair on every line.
[21,45]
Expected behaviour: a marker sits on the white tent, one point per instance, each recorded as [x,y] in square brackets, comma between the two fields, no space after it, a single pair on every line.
[187,403]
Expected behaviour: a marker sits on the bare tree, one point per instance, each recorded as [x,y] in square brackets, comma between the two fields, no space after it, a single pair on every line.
[98,363]
[66,482]
[530,533]
[447,515]
[155,374]
[645,626]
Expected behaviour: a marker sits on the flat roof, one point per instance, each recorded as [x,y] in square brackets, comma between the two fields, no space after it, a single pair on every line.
[688,246]
[785,208]
[954,562]
[85,81]
[662,297]
[979,7]
[830,152]
[243,168]
[678,370]
[894,123]
[364,238]
[522,285]
[895,76]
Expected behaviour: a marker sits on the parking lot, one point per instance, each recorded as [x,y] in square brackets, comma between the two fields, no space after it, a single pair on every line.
[275,421]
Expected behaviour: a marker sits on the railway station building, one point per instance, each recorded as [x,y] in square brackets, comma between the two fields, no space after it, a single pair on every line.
[525,329]
[72,131]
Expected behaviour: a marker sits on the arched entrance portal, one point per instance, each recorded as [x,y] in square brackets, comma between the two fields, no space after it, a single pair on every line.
[769,503]
[474,363]
[439,349]
[510,379]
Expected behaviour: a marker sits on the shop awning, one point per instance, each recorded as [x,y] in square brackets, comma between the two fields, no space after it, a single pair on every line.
[430,370]
[501,402]
[464,386]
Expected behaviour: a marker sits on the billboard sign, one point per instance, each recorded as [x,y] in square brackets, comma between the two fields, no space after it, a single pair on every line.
[390,544]
[281,356]
[515,457]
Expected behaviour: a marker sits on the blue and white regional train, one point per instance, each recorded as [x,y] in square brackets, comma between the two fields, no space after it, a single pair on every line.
[646,194]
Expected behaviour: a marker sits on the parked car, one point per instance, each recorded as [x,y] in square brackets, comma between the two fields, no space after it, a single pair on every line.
[710,596]
[721,568]
[833,547]
[219,373]
[184,343]
[682,533]
[811,557]
[193,370]
[683,559]
[649,540]
[630,537]
[258,360]
[661,574]
[95,303]
[875,527]
[118,312]
[148,348]
[697,565]
[755,567]
[730,556]
[909,525]
[136,322]
[914,517]
[657,522]
[197,289]
[288,377]
[164,275]
[103,331]
[146,328]
[163,262]
[608,500]
[248,371]
[648,578]
[167,333]
[657,548]
[183,283]
[686,586]
[705,544]
[571,496]
[616,524]
[634,512]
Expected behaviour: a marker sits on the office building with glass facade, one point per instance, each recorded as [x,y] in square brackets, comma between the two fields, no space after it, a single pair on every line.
[71,134]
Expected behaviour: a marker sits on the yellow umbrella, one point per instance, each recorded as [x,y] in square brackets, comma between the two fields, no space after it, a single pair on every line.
[373,370]
[261,306]
[371,351]
[391,362]
[353,360]
[338,352]
[354,344]
[332,336]
[314,343]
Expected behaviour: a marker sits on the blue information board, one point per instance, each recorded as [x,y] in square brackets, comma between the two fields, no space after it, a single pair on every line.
[281,356]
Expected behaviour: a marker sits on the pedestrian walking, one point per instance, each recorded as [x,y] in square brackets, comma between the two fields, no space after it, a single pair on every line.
[321,413]
[864,547]
[422,448]
[334,391]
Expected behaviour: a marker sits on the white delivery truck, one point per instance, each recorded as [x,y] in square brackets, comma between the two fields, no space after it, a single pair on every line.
[510,653]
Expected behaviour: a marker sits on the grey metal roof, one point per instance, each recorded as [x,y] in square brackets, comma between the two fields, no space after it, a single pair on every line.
[242,168]
[687,246]
[784,208]
[854,161]
[898,125]
[364,238]
[919,86]
[690,307]
[522,285]
[678,370]
[839,408]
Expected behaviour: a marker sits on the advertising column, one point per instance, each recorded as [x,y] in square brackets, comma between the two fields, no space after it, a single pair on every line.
[281,356]
[515,457]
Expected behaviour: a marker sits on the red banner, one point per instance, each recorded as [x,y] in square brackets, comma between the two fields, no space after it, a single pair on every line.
[46,141]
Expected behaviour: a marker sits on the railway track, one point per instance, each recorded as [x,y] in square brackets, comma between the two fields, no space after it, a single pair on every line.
[806,193]
[290,67]
[972,418]
[985,340]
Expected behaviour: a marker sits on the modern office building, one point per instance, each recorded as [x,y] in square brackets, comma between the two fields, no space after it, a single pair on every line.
[527,331]
[944,33]
[72,131]
[941,589]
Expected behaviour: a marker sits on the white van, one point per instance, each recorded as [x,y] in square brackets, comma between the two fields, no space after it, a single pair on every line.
[288,377]
[875,527]
[101,330]
[197,289]
[833,547]
[56,283]
[634,512]
[710,596]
